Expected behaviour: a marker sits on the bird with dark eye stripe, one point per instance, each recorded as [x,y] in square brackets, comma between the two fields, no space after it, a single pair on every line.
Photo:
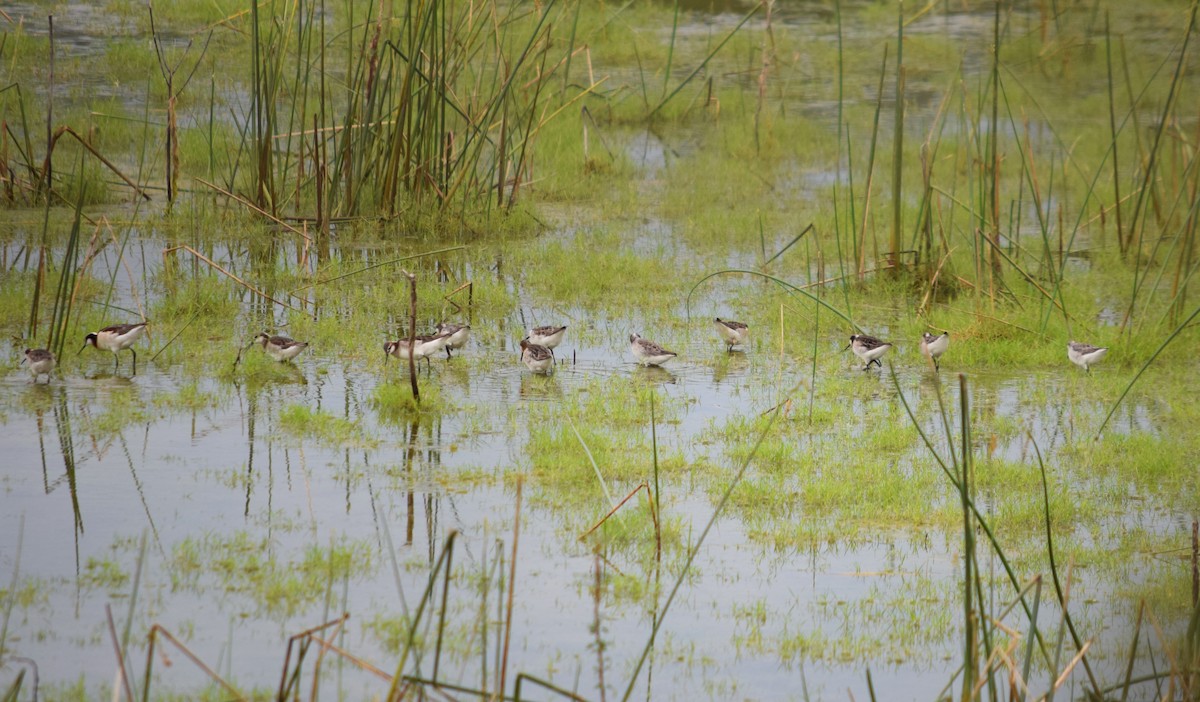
[280,348]
[868,348]
[116,338]
[424,346]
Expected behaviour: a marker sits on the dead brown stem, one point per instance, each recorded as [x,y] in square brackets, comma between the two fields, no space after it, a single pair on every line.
[241,282]
[613,511]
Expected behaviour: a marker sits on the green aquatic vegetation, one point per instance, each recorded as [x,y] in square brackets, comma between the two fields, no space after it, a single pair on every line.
[567,176]
[255,368]
[29,593]
[125,407]
[1156,465]
[558,456]
[325,428]
[843,628]
[763,501]
[103,574]
[611,273]
[209,298]
[188,398]
[247,565]
[394,401]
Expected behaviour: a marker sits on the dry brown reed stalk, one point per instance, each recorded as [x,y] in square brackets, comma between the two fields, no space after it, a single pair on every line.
[1066,672]
[933,283]
[239,281]
[469,287]
[322,648]
[1028,278]
[155,631]
[46,181]
[521,677]
[1165,644]
[91,254]
[302,639]
[597,589]
[133,290]
[355,660]
[119,652]
[254,207]
[373,266]
[866,213]
[512,588]
[898,144]
[173,93]
[58,133]
[1195,563]
[412,335]
[611,512]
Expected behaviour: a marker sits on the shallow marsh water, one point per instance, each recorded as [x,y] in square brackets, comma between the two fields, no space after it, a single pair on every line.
[272,498]
[241,513]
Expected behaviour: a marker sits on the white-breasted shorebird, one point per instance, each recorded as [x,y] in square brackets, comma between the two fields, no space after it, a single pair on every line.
[536,357]
[41,361]
[731,332]
[116,338]
[647,352]
[868,348]
[934,346]
[424,346]
[280,348]
[459,333]
[548,336]
[1084,355]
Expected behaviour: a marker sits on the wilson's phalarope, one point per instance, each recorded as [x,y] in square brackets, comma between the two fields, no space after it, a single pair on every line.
[40,361]
[547,336]
[459,333]
[647,352]
[280,348]
[868,348]
[732,333]
[934,346]
[425,345]
[536,357]
[1084,355]
[116,338]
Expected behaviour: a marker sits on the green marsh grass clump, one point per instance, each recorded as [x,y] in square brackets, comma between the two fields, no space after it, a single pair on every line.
[208,297]
[104,574]
[187,398]
[323,427]
[246,565]
[394,401]
[28,593]
[611,273]
[124,408]
[254,367]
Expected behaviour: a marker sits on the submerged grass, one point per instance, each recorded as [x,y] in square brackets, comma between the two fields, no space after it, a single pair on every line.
[303,421]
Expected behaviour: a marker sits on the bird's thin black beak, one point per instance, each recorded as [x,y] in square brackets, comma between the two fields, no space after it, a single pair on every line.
[81,348]
[849,345]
